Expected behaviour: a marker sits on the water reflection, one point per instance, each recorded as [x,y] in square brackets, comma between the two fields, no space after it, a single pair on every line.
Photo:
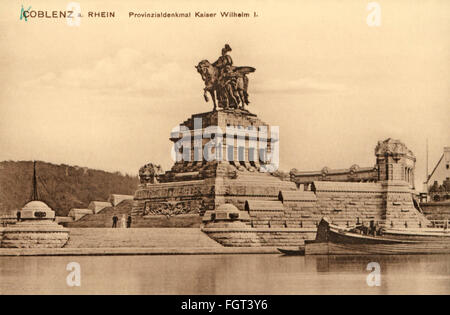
[226,274]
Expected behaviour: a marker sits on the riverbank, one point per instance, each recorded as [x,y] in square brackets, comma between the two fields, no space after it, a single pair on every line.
[134,251]
[137,241]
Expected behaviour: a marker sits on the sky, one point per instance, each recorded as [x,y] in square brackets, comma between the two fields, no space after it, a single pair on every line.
[106,94]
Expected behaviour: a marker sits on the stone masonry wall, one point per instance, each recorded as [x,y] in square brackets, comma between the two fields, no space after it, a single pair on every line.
[34,234]
[399,208]
[348,203]
[22,239]
[288,222]
[436,210]
[257,237]
[388,203]
[255,186]
[343,203]
[194,197]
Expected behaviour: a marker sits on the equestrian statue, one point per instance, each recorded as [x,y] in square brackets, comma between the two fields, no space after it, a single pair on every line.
[226,83]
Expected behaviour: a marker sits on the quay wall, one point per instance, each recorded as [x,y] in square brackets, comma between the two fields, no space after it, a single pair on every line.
[294,216]
[343,203]
[139,238]
[260,237]
[390,204]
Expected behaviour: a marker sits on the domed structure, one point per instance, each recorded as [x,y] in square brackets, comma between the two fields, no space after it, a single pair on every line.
[36,210]
[36,205]
[227,207]
[35,227]
[392,147]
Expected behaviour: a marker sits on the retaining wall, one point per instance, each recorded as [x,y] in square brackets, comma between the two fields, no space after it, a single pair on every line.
[436,210]
[260,237]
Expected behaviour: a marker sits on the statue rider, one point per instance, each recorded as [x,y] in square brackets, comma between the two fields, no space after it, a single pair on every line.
[225,83]
[224,60]
[226,76]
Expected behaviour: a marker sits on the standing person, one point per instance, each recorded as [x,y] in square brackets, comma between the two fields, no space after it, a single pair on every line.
[114,219]
[129,221]
[123,221]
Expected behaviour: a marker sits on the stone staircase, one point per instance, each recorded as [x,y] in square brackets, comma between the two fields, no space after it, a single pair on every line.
[142,237]
[104,217]
[161,221]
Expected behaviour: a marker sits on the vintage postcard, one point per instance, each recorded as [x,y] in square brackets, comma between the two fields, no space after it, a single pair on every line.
[212,148]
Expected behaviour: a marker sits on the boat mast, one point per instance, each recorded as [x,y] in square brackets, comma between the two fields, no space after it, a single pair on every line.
[427,159]
[34,192]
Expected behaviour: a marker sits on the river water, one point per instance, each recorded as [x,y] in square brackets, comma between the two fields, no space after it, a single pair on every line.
[226,274]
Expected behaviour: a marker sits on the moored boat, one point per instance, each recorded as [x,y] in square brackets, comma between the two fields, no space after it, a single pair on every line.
[293,252]
[425,234]
[335,240]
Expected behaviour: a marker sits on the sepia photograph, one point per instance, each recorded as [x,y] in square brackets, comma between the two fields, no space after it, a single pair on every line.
[223,154]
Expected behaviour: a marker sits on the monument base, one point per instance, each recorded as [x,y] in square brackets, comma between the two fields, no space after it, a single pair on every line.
[37,229]
[230,184]
[34,234]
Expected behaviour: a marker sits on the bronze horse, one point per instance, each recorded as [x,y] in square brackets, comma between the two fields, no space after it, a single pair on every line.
[228,91]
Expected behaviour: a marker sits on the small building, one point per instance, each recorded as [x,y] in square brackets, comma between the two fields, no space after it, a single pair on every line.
[438,182]
[97,206]
[64,220]
[77,214]
[115,199]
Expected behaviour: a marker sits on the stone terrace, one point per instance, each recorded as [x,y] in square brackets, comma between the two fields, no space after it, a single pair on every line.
[103,219]
[142,238]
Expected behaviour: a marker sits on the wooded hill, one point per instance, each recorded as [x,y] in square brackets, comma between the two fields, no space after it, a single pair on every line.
[62,187]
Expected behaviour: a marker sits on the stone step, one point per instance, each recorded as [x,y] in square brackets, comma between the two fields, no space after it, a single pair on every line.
[160,221]
[139,237]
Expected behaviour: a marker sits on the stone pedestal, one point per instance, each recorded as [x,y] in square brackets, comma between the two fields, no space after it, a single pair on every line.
[34,235]
[36,229]
[196,184]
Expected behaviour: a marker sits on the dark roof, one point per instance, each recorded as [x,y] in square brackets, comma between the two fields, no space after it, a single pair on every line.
[296,195]
[346,186]
[263,205]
